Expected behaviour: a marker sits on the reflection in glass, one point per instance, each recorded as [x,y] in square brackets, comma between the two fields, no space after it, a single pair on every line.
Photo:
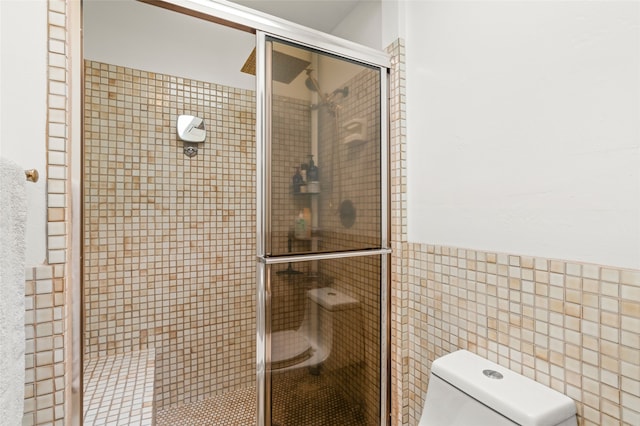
[325,153]
[325,342]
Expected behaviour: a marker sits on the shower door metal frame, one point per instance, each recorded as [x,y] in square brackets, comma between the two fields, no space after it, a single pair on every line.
[263,219]
[250,20]
[263,25]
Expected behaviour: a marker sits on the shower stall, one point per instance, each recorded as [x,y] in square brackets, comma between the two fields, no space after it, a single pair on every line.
[252,267]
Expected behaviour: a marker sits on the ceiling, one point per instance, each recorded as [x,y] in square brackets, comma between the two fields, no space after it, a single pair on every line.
[323,15]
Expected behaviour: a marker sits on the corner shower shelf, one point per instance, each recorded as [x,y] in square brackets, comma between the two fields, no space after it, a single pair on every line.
[316,235]
[305,193]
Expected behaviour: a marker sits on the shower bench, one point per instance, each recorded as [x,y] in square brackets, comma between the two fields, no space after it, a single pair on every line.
[118,389]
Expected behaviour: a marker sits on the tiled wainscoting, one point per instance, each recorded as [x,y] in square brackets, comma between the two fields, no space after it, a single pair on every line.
[572,326]
[119,389]
[45,350]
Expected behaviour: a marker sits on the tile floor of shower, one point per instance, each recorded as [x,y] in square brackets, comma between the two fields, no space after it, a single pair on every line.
[303,399]
[119,391]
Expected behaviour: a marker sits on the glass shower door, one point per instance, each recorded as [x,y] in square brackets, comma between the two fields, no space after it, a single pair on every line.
[323,255]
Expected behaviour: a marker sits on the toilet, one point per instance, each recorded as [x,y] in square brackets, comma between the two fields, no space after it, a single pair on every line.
[465,389]
[330,334]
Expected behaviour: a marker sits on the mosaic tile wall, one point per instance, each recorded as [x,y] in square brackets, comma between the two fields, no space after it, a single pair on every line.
[572,326]
[398,217]
[58,212]
[47,318]
[170,240]
[44,356]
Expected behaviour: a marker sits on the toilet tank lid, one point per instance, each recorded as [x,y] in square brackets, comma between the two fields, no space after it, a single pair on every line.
[331,299]
[522,400]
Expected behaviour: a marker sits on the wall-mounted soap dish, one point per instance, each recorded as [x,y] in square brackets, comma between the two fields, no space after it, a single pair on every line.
[356,131]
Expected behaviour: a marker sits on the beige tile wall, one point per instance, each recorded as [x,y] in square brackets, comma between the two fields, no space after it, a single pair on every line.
[572,326]
[169,241]
[45,357]
[398,216]
[57,135]
[47,322]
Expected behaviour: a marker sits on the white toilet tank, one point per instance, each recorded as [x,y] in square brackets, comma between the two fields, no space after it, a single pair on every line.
[468,390]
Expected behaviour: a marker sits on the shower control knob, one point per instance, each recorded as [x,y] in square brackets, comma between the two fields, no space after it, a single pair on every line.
[190,151]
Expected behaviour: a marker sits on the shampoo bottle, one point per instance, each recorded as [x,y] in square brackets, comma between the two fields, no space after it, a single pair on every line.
[313,174]
[300,229]
[297,180]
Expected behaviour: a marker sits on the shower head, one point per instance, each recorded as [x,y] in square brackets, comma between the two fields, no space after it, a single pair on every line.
[311,83]
[285,67]
[344,91]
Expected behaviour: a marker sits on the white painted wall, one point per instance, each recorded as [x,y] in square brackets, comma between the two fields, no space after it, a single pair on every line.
[373,23]
[362,25]
[23,97]
[141,36]
[393,21]
[524,127]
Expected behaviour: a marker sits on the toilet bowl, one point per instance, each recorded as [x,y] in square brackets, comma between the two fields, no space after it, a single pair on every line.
[465,389]
[329,315]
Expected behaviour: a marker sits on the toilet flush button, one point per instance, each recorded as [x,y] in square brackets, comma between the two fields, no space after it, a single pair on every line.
[492,374]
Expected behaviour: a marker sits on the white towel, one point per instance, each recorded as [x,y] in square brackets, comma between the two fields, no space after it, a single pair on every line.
[13,216]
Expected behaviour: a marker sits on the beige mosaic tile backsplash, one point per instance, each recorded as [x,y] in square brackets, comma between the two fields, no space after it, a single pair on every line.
[169,241]
[572,326]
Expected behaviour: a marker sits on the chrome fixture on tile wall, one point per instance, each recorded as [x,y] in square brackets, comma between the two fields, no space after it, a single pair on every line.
[191,130]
